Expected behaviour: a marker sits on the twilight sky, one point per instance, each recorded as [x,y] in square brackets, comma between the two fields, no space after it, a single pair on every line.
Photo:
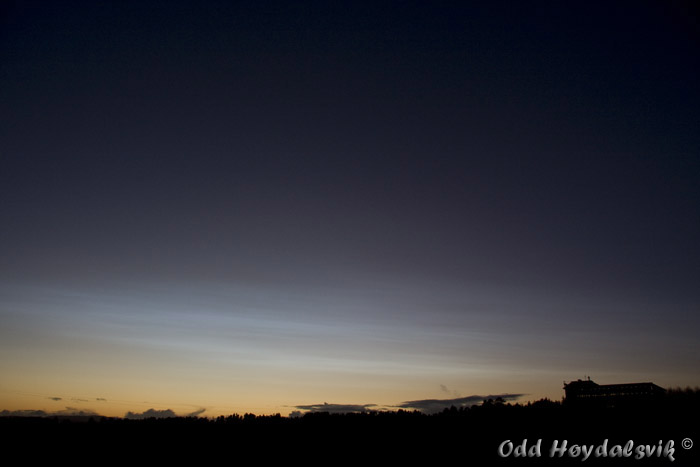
[267,206]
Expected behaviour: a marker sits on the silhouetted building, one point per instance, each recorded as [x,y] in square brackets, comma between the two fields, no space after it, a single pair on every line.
[587,392]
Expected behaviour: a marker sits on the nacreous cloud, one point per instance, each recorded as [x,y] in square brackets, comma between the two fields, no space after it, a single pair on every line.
[438,405]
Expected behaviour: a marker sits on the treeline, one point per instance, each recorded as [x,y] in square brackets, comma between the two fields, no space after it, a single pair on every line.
[474,433]
[675,399]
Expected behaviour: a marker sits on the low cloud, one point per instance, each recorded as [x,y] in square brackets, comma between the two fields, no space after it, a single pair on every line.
[150,413]
[446,390]
[67,412]
[335,408]
[23,413]
[167,413]
[101,399]
[438,405]
[73,412]
[196,413]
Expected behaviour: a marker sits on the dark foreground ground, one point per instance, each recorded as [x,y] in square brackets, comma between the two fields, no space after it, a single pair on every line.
[463,437]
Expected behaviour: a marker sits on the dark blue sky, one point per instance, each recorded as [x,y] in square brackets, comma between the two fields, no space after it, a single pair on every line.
[496,187]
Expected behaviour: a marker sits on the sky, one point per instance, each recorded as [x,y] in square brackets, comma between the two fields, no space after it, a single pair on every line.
[275,207]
